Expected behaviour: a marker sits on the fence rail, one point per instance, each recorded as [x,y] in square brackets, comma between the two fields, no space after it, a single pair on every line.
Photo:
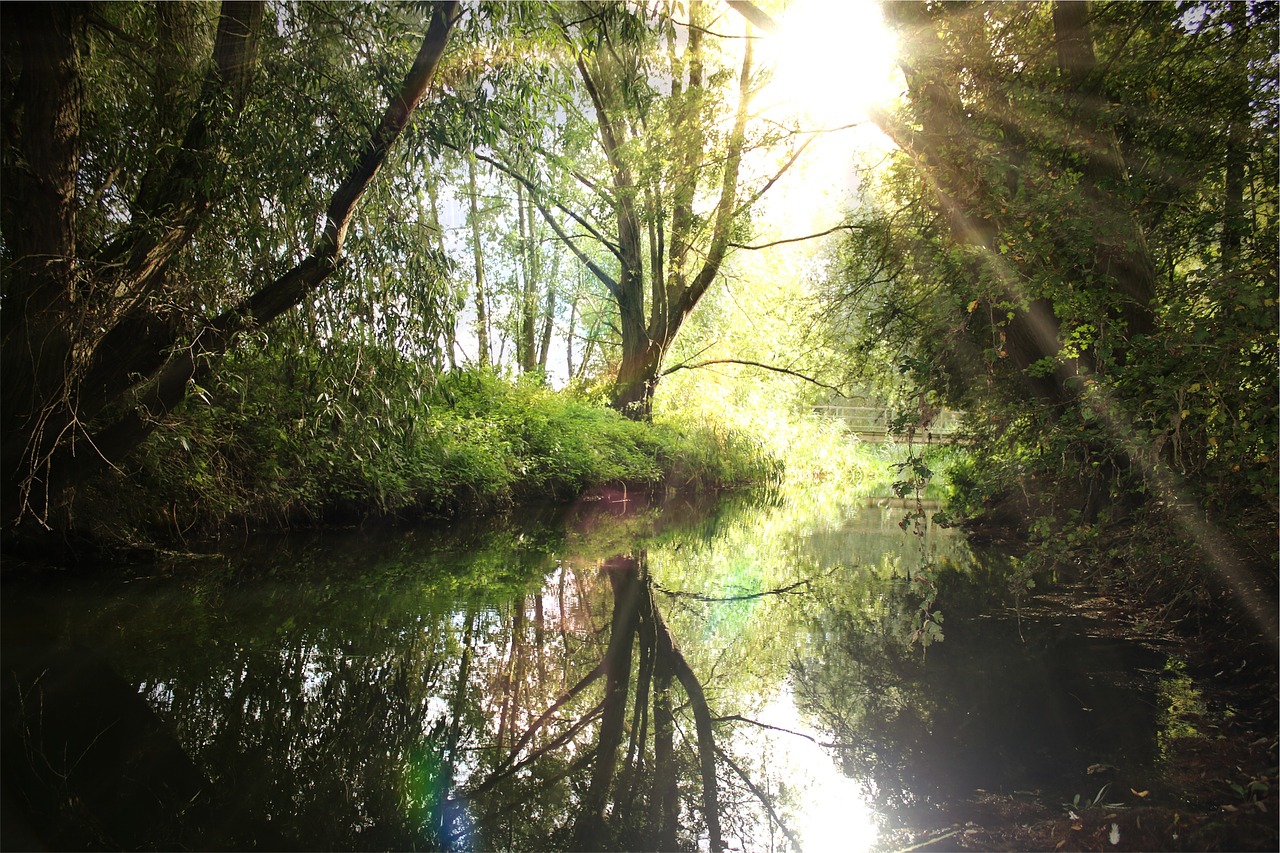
[871,423]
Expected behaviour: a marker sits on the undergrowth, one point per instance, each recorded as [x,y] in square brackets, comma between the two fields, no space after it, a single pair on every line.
[293,441]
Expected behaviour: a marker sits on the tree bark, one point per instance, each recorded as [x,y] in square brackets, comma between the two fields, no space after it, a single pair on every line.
[159,374]
[477,254]
[41,120]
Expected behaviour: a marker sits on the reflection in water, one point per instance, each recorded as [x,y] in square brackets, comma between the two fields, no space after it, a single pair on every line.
[633,803]
[624,676]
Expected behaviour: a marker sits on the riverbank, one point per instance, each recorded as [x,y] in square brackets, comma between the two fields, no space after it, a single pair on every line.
[480,445]
[1215,787]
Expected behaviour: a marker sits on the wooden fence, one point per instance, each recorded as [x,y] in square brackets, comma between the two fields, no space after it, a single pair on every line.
[871,423]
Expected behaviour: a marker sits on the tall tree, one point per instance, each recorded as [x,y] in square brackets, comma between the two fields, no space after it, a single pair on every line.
[93,352]
[481,295]
[671,190]
[1043,147]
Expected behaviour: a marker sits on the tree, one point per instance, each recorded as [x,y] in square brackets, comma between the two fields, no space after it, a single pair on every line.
[1036,194]
[477,253]
[94,347]
[662,153]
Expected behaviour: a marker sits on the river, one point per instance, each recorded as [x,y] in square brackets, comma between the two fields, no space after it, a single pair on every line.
[756,673]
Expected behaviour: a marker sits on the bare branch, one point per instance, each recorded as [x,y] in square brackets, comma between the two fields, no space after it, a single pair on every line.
[748,363]
[799,239]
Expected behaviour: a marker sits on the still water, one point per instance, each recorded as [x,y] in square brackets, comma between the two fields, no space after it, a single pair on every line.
[624,673]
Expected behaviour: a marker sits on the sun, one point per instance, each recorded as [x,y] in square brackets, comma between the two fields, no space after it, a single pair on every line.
[831,61]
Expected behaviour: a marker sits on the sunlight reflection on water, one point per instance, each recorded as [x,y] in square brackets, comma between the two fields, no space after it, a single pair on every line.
[833,812]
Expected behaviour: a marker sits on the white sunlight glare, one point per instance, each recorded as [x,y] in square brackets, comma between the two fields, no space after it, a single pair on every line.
[836,817]
[832,59]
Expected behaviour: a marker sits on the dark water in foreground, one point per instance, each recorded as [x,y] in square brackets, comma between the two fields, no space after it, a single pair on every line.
[615,675]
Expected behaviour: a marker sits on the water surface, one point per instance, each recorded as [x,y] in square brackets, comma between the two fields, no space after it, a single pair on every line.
[624,673]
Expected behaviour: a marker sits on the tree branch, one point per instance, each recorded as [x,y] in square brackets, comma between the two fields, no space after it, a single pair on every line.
[799,239]
[698,596]
[738,718]
[535,190]
[169,207]
[755,15]
[727,209]
[748,363]
[764,801]
[560,702]
[610,283]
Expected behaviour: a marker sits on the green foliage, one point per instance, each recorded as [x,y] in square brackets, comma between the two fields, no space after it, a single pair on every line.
[290,437]
[1012,234]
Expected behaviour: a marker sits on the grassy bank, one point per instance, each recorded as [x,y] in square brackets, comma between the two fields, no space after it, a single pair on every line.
[286,443]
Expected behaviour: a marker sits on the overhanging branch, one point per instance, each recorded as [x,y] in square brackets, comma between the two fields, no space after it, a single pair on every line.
[799,239]
[692,365]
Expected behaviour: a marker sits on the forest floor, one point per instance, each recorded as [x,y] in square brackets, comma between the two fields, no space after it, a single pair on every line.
[1216,788]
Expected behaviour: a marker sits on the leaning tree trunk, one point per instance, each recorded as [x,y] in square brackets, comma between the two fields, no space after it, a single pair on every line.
[589,831]
[55,434]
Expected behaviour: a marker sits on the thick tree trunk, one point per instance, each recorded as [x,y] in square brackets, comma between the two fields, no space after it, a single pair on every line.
[41,459]
[589,831]
[1122,256]
[41,119]
[637,380]
[702,721]
[671,300]
[945,150]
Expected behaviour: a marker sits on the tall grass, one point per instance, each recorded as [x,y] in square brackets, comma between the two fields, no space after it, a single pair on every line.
[280,446]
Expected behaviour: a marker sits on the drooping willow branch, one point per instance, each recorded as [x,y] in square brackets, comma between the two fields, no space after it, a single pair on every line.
[764,800]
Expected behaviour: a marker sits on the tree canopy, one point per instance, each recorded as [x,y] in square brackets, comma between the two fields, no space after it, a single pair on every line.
[1072,237]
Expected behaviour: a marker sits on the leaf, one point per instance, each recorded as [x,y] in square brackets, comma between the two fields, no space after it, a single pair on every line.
[1139,793]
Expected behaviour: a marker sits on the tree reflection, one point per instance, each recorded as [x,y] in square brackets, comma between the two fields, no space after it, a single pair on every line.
[506,690]
[997,706]
[411,715]
[635,798]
